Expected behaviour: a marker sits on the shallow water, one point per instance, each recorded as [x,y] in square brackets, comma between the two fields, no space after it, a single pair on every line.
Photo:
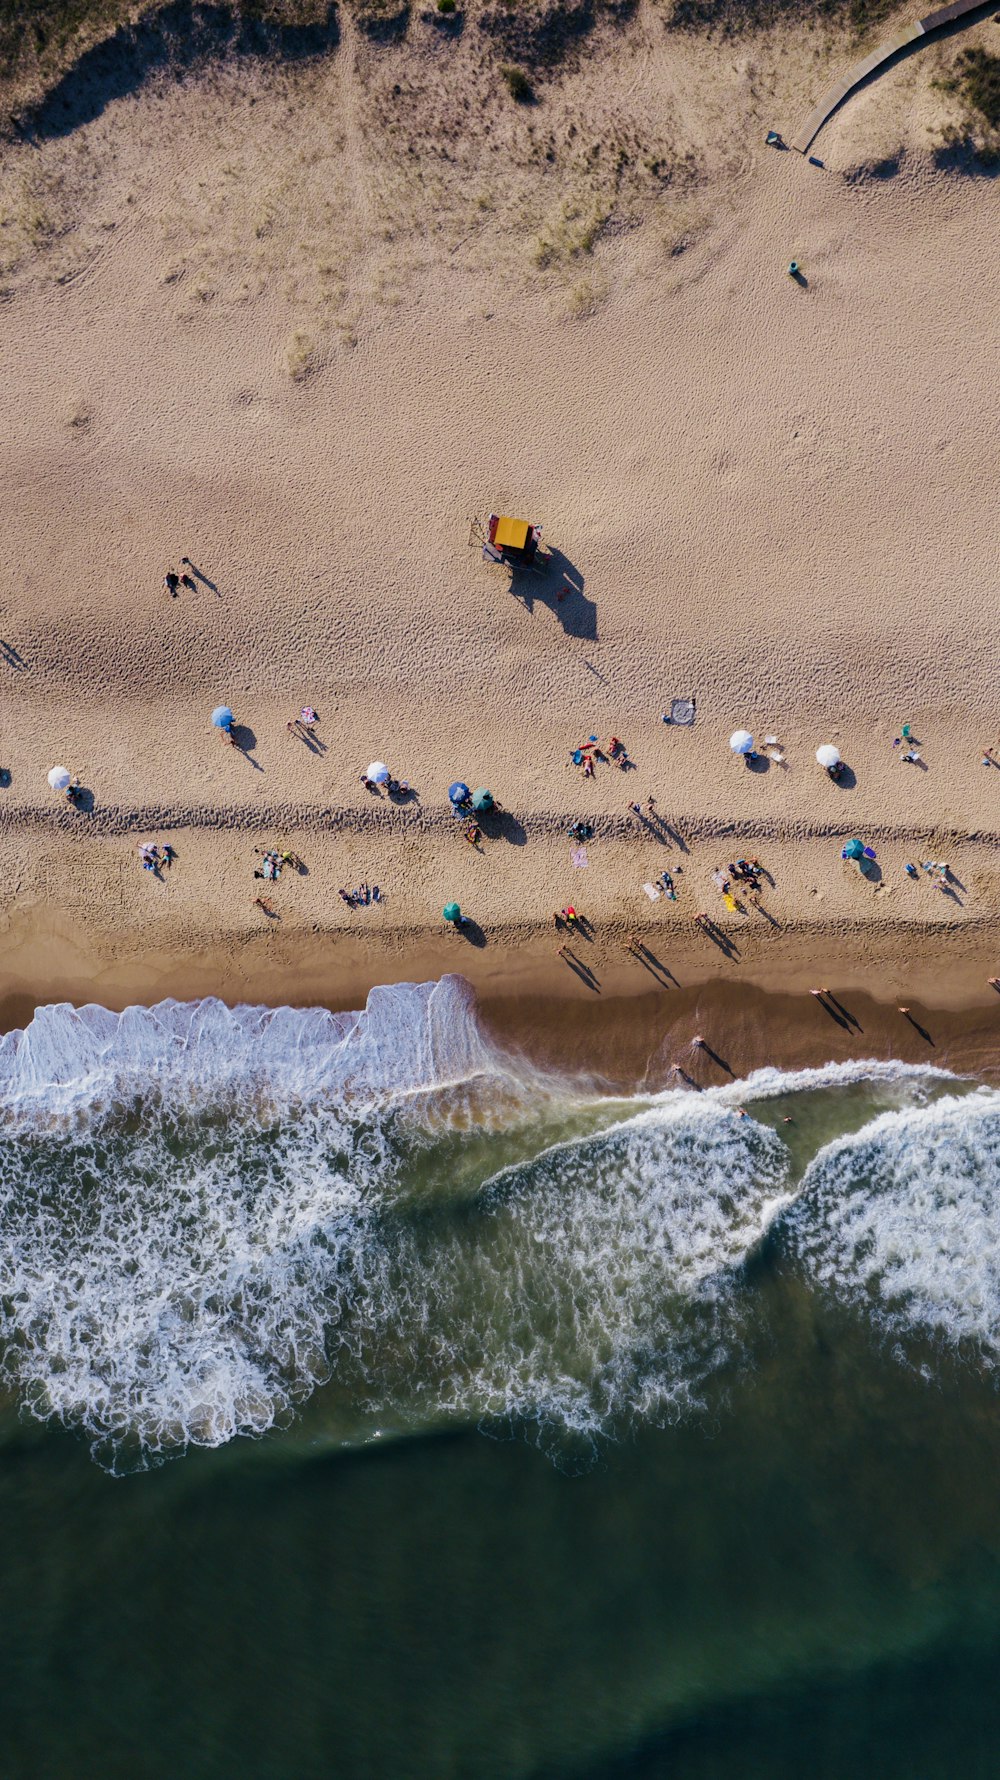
[597,1434]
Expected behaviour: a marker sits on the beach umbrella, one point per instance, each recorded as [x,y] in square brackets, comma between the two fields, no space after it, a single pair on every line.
[828,755]
[853,850]
[378,772]
[482,801]
[458,793]
[59,778]
[451,911]
[222,717]
[741,741]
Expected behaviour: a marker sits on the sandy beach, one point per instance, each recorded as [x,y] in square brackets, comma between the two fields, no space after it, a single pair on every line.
[773,498]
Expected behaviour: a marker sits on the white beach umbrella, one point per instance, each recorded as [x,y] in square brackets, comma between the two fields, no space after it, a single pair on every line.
[828,755]
[741,741]
[59,778]
[378,772]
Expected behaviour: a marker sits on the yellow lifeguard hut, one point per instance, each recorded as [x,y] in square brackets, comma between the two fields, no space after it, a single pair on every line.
[516,542]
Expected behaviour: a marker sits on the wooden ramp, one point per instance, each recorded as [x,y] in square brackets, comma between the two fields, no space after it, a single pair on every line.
[835,95]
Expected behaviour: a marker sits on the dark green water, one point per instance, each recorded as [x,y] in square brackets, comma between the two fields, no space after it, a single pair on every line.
[810,1578]
[599,1438]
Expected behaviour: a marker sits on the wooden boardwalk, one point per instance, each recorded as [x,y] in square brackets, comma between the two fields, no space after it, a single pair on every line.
[835,95]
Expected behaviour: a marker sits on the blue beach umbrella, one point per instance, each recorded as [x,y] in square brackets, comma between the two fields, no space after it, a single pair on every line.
[458,793]
[222,717]
[853,850]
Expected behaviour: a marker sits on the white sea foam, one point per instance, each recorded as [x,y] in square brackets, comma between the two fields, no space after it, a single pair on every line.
[904,1217]
[206,1212]
[593,1282]
[770,1083]
[411,1036]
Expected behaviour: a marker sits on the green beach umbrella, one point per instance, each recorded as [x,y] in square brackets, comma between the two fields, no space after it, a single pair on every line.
[482,801]
[853,850]
[451,911]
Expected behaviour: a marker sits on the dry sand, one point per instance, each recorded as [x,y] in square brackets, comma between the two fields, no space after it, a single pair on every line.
[248,330]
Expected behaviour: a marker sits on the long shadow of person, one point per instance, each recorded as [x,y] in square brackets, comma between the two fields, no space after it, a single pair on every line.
[653,964]
[583,971]
[200,575]
[852,1019]
[719,938]
[824,1003]
[925,1035]
[705,1048]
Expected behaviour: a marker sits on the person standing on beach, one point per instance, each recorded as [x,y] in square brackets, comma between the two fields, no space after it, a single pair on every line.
[171,582]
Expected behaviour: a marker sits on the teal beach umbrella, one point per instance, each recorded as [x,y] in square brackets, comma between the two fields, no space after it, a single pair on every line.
[853,850]
[482,801]
[452,912]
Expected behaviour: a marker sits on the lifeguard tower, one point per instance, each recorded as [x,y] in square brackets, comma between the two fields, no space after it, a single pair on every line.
[516,542]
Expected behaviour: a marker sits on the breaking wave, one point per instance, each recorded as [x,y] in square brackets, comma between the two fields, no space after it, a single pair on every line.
[903,1218]
[207,1212]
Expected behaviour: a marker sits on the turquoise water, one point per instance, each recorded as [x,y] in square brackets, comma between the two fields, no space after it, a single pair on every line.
[380,1404]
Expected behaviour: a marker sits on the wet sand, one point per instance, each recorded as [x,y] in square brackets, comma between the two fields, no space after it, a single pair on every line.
[624,1017]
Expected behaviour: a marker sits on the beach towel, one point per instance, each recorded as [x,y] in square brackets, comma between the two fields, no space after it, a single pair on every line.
[579,857]
[652,892]
[682,711]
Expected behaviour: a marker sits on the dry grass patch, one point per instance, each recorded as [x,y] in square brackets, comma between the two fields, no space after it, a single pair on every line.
[300,355]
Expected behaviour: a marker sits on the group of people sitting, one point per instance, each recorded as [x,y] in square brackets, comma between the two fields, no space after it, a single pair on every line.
[746,874]
[360,897]
[591,751]
[566,917]
[151,857]
[271,863]
[395,787]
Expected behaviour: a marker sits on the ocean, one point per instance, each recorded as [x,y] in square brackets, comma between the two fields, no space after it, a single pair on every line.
[379,1401]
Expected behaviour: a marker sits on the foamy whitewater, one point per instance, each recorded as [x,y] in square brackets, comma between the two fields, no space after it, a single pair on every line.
[206,1213]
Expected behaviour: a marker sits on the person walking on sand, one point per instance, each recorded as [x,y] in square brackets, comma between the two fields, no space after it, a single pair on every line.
[171,582]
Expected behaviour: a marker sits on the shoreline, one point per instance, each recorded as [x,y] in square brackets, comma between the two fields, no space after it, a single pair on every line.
[630,1029]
